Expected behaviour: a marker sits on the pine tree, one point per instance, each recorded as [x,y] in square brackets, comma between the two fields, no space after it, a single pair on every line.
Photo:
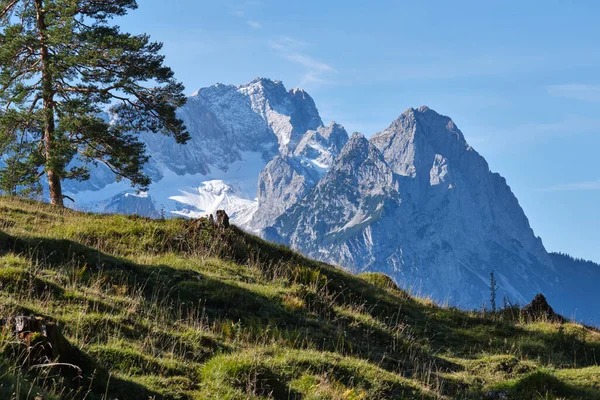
[61,65]
[493,290]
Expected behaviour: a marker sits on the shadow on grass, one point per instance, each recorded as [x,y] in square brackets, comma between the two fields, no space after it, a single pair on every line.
[434,328]
[541,384]
[229,303]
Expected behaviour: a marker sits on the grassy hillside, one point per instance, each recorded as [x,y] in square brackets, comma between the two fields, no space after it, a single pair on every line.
[176,309]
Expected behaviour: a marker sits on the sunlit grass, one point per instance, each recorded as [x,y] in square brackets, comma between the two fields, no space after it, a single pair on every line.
[176,309]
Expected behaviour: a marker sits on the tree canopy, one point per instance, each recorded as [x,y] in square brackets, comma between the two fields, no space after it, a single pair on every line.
[76,91]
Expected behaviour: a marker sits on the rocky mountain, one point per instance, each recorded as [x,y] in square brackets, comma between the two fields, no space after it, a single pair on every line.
[414,201]
[287,179]
[418,203]
[320,147]
[236,131]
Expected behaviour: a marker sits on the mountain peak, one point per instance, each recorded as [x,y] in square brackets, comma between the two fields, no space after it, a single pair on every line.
[298,91]
[423,112]
[258,83]
[267,87]
[334,126]
[357,146]
[416,138]
[412,111]
[264,81]
[356,139]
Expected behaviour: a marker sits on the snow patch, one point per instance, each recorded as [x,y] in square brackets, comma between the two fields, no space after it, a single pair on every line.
[192,195]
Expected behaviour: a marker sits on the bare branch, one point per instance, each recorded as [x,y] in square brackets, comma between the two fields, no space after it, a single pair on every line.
[8,8]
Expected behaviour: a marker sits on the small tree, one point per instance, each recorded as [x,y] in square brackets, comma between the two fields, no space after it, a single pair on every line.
[61,65]
[493,290]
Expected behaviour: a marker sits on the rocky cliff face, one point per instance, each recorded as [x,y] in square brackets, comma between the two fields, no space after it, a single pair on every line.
[417,202]
[352,196]
[320,147]
[288,179]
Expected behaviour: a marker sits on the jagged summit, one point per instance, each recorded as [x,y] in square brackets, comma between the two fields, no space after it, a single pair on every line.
[428,120]
[256,82]
[288,113]
[357,142]
[417,137]
[320,147]
[263,80]
[263,85]
[362,164]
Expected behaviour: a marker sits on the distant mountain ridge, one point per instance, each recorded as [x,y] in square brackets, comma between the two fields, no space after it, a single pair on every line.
[580,279]
[415,201]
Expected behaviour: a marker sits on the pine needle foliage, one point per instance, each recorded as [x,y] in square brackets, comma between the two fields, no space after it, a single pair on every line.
[62,65]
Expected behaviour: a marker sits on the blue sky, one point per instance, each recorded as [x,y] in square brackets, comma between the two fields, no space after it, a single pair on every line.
[520,78]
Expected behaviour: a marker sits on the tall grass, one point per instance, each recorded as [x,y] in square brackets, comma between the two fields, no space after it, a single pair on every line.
[175,309]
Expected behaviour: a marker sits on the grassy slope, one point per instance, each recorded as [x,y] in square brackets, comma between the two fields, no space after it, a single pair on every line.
[172,309]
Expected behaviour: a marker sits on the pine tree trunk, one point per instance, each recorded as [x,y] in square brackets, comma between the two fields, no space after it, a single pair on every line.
[54,183]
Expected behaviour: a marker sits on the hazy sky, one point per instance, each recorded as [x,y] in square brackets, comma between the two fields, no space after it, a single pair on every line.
[520,78]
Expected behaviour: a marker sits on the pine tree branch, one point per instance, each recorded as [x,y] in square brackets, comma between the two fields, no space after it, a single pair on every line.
[20,74]
[8,8]
[37,98]
[82,63]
